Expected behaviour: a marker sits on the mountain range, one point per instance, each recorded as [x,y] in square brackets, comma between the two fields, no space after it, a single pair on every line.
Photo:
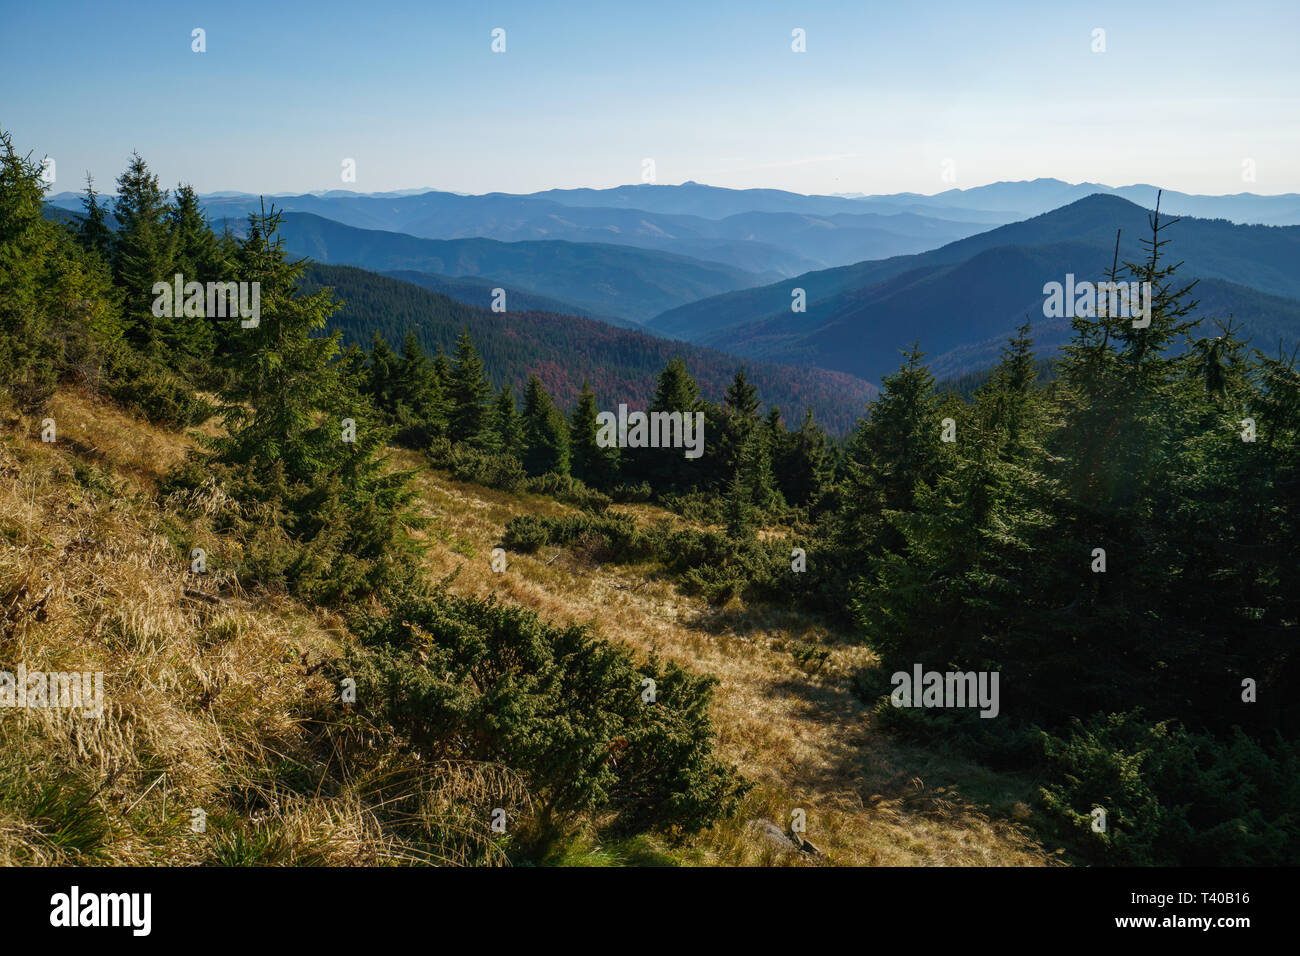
[785,237]
[1031,198]
[961,299]
[604,279]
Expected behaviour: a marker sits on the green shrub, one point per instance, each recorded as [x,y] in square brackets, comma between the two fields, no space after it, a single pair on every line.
[569,490]
[1173,797]
[470,679]
[160,395]
[526,533]
[697,506]
[719,567]
[503,472]
[616,535]
[632,494]
[707,563]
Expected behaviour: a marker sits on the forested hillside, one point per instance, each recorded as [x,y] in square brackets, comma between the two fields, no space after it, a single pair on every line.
[479,291]
[563,351]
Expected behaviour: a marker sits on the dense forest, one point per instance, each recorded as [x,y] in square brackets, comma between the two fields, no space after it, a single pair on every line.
[1115,536]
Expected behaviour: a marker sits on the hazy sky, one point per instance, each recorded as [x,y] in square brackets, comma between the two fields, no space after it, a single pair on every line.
[1183,95]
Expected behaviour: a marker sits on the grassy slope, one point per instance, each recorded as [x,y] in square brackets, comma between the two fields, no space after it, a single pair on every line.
[223,697]
[802,738]
[204,692]
[93,577]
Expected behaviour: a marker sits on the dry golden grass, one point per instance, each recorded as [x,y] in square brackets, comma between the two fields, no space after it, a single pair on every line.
[803,739]
[205,702]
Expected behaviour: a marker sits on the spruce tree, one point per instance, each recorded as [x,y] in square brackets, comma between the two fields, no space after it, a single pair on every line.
[142,254]
[440,391]
[667,469]
[546,434]
[93,232]
[303,449]
[956,584]
[382,371]
[194,244]
[802,463]
[27,351]
[742,398]
[417,396]
[596,466]
[741,404]
[894,449]
[469,394]
[675,389]
[189,341]
[507,425]
[751,495]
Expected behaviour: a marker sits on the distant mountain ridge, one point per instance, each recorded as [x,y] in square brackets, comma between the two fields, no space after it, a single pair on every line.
[785,241]
[1033,197]
[976,290]
[995,203]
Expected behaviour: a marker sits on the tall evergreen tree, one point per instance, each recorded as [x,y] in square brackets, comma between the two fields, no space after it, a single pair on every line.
[741,405]
[469,394]
[142,254]
[953,583]
[190,340]
[667,469]
[596,466]
[441,383]
[27,352]
[382,371]
[418,396]
[742,397]
[546,434]
[897,447]
[303,450]
[802,463]
[752,493]
[675,389]
[194,244]
[507,425]
[93,231]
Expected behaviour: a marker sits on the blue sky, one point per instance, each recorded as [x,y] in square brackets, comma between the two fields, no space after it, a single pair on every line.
[1183,95]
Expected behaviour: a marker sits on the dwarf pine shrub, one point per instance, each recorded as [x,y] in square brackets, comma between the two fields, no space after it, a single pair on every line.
[1172,797]
[586,725]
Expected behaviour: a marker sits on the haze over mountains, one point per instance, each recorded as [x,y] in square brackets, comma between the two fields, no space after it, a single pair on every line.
[769,232]
[956,271]
[962,300]
[1021,199]
[628,282]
